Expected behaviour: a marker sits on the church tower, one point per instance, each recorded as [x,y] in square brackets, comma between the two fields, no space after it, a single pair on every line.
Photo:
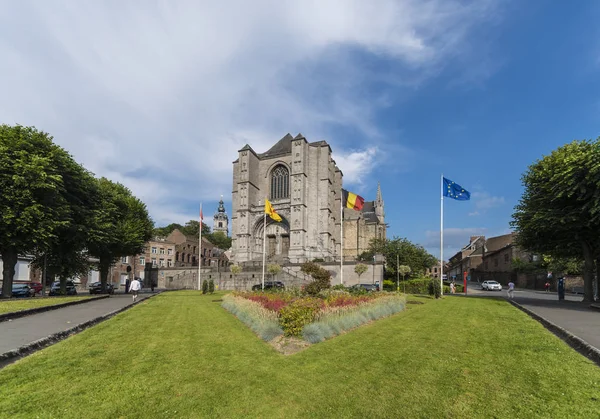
[220,220]
[379,205]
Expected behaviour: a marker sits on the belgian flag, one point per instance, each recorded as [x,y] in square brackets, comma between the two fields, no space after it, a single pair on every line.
[351,200]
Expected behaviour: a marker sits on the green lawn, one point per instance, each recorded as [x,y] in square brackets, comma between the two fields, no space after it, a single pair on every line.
[181,355]
[18,304]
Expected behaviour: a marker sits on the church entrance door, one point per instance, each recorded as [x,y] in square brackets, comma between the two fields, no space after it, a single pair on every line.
[285,245]
[271,246]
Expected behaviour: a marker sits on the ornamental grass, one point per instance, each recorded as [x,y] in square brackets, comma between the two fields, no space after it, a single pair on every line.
[262,321]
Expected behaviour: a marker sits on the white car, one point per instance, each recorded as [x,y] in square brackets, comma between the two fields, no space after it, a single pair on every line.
[491,286]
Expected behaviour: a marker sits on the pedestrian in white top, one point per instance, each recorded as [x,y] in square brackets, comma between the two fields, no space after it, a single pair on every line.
[135,287]
[511,289]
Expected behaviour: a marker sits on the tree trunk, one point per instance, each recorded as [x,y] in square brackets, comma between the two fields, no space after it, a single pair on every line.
[588,273]
[104,268]
[598,277]
[9,261]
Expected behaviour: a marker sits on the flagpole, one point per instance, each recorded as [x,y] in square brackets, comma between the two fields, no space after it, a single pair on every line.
[442,235]
[200,249]
[341,239]
[264,247]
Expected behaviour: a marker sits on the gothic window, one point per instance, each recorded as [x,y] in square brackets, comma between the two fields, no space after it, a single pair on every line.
[220,224]
[280,183]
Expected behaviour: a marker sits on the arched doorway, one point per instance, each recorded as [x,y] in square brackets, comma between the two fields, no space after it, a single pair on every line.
[277,238]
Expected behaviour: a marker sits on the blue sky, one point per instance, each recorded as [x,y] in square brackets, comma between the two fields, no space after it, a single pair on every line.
[161,95]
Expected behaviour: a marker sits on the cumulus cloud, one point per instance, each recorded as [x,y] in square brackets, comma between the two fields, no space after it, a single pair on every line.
[161,95]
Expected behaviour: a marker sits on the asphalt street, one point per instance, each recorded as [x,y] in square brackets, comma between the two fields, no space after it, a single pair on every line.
[18,332]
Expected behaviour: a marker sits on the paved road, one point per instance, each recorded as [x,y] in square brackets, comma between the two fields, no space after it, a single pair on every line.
[571,314]
[19,332]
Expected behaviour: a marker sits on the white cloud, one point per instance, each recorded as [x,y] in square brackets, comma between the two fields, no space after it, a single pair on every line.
[161,95]
[473,214]
[485,201]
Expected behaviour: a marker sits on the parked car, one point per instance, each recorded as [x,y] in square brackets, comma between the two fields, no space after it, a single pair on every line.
[491,286]
[35,286]
[269,285]
[22,291]
[366,287]
[55,288]
[96,288]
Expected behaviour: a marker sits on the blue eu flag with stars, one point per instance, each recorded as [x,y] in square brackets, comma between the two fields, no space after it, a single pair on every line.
[455,191]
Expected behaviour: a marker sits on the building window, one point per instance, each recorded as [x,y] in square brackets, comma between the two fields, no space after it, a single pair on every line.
[280,183]
[162,250]
[161,262]
[434,270]
[143,261]
[154,250]
[169,263]
[220,224]
[506,258]
[153,262]
[169,251]
[124,259]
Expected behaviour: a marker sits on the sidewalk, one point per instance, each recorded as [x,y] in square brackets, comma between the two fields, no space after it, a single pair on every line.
[25,330]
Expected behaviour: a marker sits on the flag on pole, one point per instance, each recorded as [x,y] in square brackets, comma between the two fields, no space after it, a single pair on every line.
[270,211]
[201,217]
[455,191]
[352,200]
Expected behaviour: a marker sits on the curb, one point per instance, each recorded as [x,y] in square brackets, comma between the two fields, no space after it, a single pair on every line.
[11,356]
[575,342]
[18,314]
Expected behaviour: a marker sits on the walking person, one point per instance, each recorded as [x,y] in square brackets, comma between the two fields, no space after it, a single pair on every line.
[511,290]
[547,286]
[135,288]
[452,287]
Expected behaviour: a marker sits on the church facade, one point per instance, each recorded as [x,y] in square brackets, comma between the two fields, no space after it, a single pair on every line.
[303,183]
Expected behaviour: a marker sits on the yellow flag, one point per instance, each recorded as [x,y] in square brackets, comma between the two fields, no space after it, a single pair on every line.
[270,211]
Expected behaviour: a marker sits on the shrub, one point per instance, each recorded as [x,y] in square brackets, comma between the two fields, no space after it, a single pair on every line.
[389,285]
[321,278]
[339,287]
[211,286]
[204,286]
[434,288]
[299,313]
[312,333]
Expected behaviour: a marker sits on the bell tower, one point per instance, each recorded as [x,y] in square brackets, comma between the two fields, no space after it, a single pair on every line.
[220,220]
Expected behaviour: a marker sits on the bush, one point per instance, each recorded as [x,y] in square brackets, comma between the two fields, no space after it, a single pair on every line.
[434,288]
[299,313]
[211,286]
[204,286]
[389,285]
[339,287]
[321,278]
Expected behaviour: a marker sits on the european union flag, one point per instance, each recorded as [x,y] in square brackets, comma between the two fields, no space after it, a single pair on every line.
[455,191]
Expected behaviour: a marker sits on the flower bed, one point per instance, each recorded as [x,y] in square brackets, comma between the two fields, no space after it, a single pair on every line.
[313,318]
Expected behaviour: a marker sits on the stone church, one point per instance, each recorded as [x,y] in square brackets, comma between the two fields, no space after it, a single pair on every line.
[304,186]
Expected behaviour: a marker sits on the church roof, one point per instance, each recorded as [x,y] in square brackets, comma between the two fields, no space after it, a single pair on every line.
[283,146]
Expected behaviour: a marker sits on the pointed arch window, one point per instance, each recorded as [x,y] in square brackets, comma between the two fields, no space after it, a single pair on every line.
[280,183]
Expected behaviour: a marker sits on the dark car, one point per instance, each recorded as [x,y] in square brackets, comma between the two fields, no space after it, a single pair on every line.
[269,285]
[365,287]
[35,286]
[55,288]
[96,288]
[22,291]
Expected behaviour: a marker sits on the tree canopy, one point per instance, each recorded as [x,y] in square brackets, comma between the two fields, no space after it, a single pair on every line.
[218,238]
[559,211]
[122,225]
[41,191]
[403,251]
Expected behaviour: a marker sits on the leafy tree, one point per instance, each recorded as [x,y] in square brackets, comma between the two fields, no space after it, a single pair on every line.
[321,277]
[189,229]
[38,186]
[235,270]
[404,252]
[219,239]
[559,211]
[273,269]
[211,286]
[360,269]
[122,226]
[403,270]
[204,286]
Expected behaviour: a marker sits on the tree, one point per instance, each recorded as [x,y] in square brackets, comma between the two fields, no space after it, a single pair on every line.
[219,239]
[273,269]
[235,270]
[404,252]
[321,277]
[204,286]
[189,229]
[122,226]
[211,286]
[559,211]
[360,269]
[403,270]
[38,186]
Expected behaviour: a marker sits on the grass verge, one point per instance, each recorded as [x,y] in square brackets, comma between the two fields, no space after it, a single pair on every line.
[20,304]
[182,355]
